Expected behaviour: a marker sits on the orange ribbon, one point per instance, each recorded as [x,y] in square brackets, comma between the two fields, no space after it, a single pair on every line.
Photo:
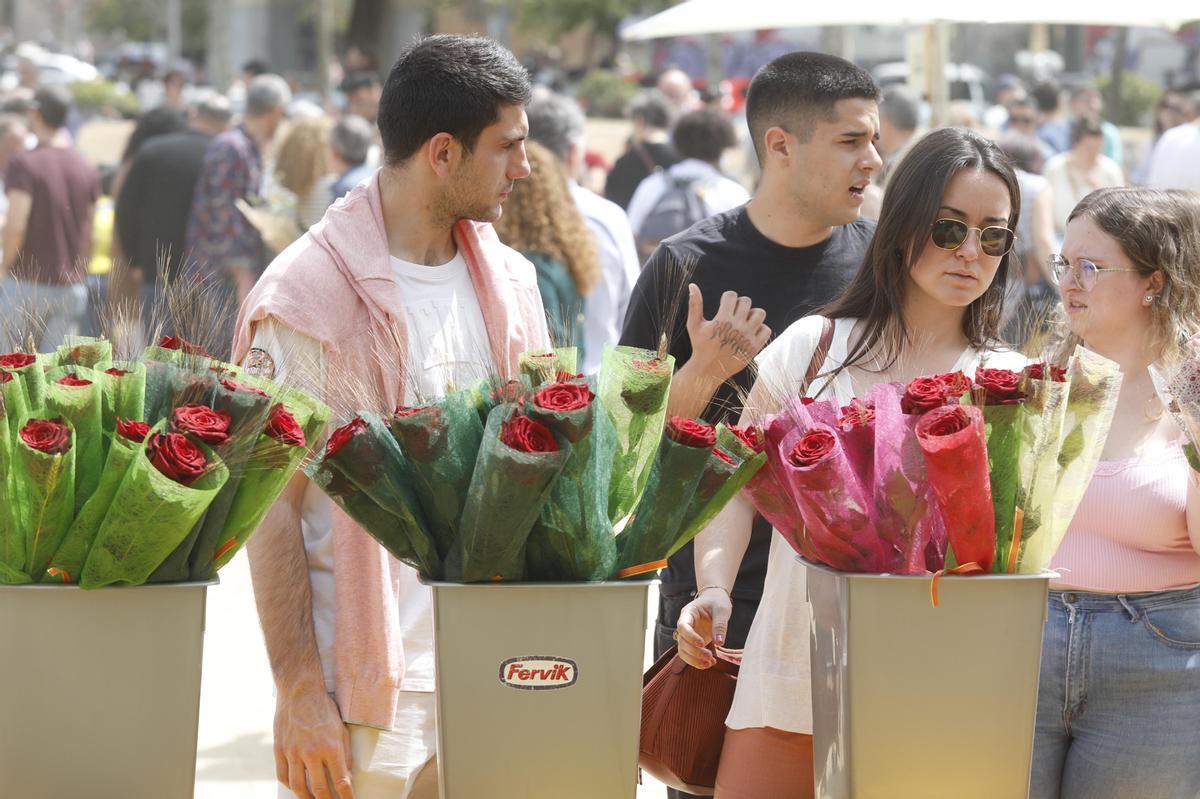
[1014,548]
[228,545]
[55,572]
[633,571]
[967,568]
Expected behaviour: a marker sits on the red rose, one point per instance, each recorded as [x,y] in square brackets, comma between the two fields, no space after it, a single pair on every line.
[176,343]
[953,419]
[116,372]
[16,360]
[563,377]
[211,427]
[955,384]
[282,427]
[923,394]
[5,377]
[229,385]
[691,432]
[73,380]
[563,397]
[812,446]
[343,434]
[133,431]
[725,457]
[857,414]
[1002,386]
[50,436]
[176,457]
[752,437]
[807,400]
[525,435]
[1037,371]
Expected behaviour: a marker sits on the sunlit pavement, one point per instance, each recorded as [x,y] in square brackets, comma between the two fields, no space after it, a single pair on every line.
[233,759]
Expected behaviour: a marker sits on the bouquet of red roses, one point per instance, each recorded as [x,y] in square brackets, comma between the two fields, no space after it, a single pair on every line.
[944,473]
[98,491]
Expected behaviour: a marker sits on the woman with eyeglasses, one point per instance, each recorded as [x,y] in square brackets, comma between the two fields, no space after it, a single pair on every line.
[926,300]
[1119,701]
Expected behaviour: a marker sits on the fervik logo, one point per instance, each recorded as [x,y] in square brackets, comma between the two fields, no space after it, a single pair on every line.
[539,673]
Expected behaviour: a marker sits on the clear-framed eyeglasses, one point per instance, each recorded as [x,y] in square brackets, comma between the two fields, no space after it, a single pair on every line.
[1085,272]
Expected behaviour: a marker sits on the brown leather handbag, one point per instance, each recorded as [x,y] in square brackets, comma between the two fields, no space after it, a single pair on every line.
[683,720]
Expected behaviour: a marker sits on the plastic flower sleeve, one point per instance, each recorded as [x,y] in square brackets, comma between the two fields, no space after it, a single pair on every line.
[1095,384]
[1041,437]
[85,351]
[1003,425]
[545,366]
[956,457]
[149,516]
[676,471]
[719,483]
[903,509]
[44,485]
[834,506]
[380,479]
[12,540]
[771,495]
[507,493]
[159,376]
[572,539]
[123,393]
[15,403]
[81,406]
[33,383]
[71,554]
[634,387]
[441,442]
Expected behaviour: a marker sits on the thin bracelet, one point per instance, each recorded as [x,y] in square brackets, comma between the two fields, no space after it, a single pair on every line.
[714,585]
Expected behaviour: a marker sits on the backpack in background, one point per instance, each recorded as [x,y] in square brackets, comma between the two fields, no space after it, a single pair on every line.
[680,206]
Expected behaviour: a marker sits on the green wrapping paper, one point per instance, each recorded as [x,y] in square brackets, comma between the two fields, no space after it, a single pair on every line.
[33,383]
[508,491]
[44,486]
[441,443]
[380,495]
[572,539]
[122,396]
[12,540]
[634,386]
[85,351]
[1003,425]
[1095,383]
[159,376]
[542,366]
[81,407]
[16,408]
[489,394]
[658,520]
[720,483]
[149,516]
[73,551]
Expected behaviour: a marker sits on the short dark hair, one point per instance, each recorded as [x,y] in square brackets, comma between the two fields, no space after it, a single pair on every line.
[255,67]
[357,81]
[703,134]
[53,103]
[652,107]
[1084,127]
[447,84]
[797,89]
[901,106]
[1047,95]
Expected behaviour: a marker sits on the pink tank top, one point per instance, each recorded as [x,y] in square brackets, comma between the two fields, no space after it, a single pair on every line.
[1130,532]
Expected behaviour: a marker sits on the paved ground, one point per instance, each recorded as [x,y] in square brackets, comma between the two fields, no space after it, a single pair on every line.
[234,759]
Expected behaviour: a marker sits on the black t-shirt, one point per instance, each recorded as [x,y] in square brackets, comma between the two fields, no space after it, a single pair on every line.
[787,282]
[633,167]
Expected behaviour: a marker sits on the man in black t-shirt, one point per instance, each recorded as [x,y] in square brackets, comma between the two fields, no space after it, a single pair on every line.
[793,248]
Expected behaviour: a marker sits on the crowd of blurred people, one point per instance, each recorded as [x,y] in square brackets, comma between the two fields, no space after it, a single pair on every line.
[210,185]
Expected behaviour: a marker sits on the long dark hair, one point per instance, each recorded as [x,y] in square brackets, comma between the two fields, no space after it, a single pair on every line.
[914,195]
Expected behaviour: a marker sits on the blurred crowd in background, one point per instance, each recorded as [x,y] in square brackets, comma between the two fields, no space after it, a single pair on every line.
[103,211]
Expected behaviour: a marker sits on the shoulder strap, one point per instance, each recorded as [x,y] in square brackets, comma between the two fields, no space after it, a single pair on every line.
[819,355]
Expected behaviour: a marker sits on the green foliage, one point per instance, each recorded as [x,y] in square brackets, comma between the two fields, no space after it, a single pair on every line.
[604,93]
[101,96]
[1138,96]
[146,21]
[556,17]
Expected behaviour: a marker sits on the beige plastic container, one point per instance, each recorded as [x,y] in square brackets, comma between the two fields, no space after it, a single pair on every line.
[101,691]
[539,689]
[916,702]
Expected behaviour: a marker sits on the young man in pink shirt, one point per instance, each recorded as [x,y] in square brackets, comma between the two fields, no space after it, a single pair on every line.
[402,291]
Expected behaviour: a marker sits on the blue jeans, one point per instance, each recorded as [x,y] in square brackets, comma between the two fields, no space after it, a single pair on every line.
[1119,698]
[47,313]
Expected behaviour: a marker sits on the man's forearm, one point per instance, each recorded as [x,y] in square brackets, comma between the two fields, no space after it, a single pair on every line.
[692,388]
[283,594]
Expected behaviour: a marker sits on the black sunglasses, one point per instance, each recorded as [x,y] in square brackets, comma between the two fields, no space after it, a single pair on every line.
[949,234]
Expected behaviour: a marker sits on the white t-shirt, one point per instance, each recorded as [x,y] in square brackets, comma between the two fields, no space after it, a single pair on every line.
[774,684]
[447,348]
[1175,162]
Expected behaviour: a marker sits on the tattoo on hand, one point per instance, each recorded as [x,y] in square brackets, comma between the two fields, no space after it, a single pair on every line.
[733,340]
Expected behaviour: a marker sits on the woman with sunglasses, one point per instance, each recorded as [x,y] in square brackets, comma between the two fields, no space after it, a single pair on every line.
[1119,701]
[926,300]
